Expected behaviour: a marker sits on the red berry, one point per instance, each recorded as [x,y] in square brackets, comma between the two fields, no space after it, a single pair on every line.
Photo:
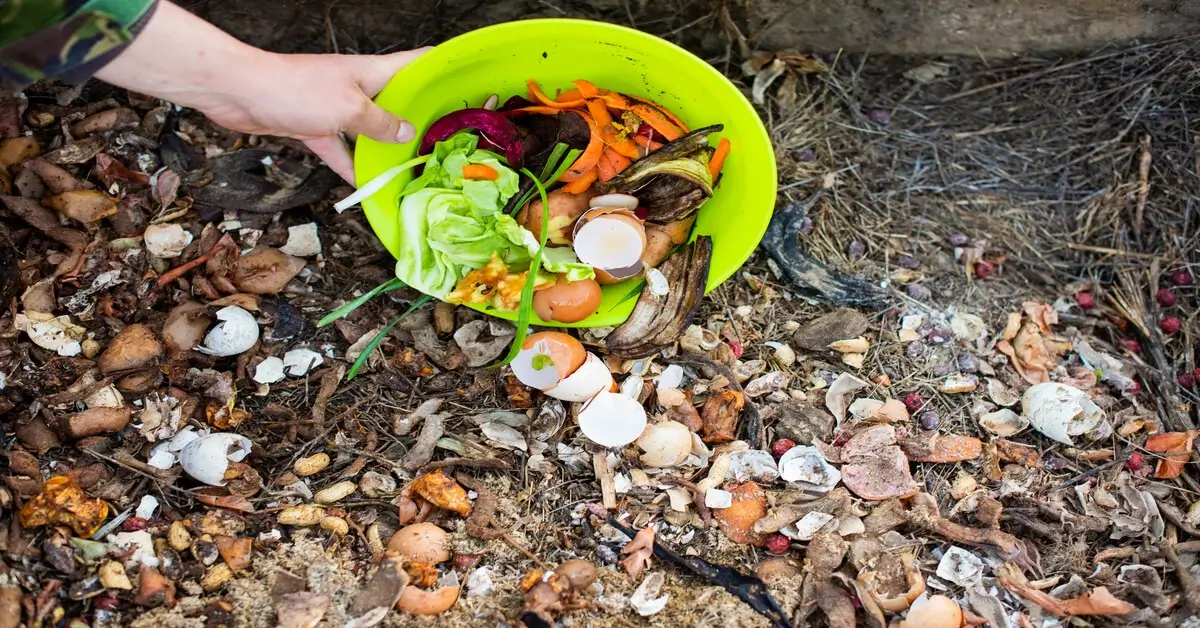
[1170,324]
[842,438]
[1135,461]
[1085,300]
[1181,277]
[1131,345]
[1165,297]
[1196,374]
[983,270]
[736,348]
[133,524]
[782,446]
[778,544]
[1134,389]
[913,401]
[106,602]
[1186,380]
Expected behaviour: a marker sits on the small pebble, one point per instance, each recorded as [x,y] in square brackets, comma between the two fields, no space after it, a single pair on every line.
[930,420]
[1054,463]
[607,555]
[968,363]
[939,335]
[942,369]
[915,349]
[856,249]
[958,239]
[917,291]
[908,261]
[880,116]
[804,155]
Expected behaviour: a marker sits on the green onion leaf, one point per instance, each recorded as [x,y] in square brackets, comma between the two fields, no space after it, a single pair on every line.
[555,155]
[343,311]
[525,312]
[551,171]
[374,344]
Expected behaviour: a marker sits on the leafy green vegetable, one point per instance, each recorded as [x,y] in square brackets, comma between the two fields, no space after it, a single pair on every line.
[525,312]
[375,342]
[343,311]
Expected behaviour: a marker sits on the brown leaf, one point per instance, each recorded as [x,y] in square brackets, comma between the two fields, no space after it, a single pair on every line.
[639,551]
[231,502]
[265,271]
[110,170]
[17,150]
[1019,453]
[166,188]
[875,467]
[86,206]
[1176,448]
[1098,602]
[62,502]
[235,552]
[136,347]
[443,491]
[107,120]
[719,416]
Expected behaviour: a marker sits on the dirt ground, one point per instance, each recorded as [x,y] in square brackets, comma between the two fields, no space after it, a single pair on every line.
[955,186]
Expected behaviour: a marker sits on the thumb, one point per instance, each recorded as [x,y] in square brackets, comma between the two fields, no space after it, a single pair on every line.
[374,71]
[378,124]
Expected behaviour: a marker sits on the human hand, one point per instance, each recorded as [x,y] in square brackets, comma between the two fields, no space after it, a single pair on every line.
[314,98]
[183,59]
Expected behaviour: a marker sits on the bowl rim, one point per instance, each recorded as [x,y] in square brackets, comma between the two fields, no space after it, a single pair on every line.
[763,138]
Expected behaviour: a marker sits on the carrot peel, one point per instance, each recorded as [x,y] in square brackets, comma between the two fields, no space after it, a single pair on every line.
[480,171]
[717,161]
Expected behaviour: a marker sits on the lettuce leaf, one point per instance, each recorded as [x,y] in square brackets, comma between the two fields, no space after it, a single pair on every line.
[450,225]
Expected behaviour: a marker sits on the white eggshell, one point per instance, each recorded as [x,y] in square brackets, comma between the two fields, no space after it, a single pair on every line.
[805,466]
[146,507]
[543,378]
[235,332]
[269,371]
[585,382]
[618,201]
[1060,411]
[666,444]
[807,526]
[298,362]
[166,240]
[612,419]
[208,457]
[302,241]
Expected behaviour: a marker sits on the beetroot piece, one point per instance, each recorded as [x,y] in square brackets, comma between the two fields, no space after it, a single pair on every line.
[496,132]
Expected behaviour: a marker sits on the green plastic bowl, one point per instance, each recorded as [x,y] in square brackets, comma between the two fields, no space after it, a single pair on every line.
[499,59]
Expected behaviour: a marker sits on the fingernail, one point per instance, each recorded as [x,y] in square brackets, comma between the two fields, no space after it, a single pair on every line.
[406,132]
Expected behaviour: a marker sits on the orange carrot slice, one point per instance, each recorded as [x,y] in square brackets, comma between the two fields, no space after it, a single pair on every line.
[717,161]
[657,121]
[591,155]
[586,88]
[663,110]
[599,112]
[605,166]
[568,96]
[536,95]
[619,161]
[580,185]
[480,171]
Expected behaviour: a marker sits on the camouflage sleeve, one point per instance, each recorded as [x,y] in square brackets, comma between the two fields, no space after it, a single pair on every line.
[65,39]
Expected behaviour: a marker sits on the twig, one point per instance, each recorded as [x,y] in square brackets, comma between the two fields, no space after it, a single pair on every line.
[608,489]
[1143,188]
[1187,582]
[1115,252]
[170,276]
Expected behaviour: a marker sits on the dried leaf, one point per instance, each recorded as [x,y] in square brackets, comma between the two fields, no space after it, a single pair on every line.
[265,271]
[639,551]
[230,502]
[719,416]
[1098,602]
[166,187]
[111,170]
[764,78]
[443,491]
[62,502]
[86,206]
[875,467]
[1176,448]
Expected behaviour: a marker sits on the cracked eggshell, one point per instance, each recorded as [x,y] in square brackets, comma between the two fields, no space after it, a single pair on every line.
[804,465]
[235,332]
[612,419]
[269,371]
[166,240]
[298,362]
[302,241]
[588,380]
[208,457]
[1060,411]
[666,444]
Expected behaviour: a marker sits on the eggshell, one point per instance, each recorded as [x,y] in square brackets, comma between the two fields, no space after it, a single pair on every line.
[269,371]
[585,382]
[612,419]
[614,201]
[420,542]
[937,611]
[666,444]
[235,332]
[208,457]
[298,362]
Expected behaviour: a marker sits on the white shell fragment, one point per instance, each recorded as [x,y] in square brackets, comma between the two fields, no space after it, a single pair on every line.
[302,241]
[666,444]
[670,379]
[612,419]
[807,526]
[1060,411]
[617,201]
[657,282]
[166,240]
[585,382]
[717,498]
[1003,422]
[535,368]
[269,371]
[164,454]
[837,397]
[57,334]
[208,457]
[607,242]
[235,332]
[960,567]
[298,362]
[645,599]
[803,465]
[752,464]
[147,507]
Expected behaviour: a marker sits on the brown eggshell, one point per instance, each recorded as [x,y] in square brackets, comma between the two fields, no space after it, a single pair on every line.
[135,347]
[658,246]
[565,209]
[421,602]
[567,301]
[421,542]
[265,271]
[737,521]
[775,568]
[581,573]
[185,326]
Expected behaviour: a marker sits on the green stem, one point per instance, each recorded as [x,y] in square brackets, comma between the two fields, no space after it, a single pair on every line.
[390,285]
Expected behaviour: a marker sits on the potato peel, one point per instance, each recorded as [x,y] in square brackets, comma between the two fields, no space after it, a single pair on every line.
[62,502]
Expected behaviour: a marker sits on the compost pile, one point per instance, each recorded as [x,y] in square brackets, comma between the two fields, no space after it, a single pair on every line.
[956,386]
